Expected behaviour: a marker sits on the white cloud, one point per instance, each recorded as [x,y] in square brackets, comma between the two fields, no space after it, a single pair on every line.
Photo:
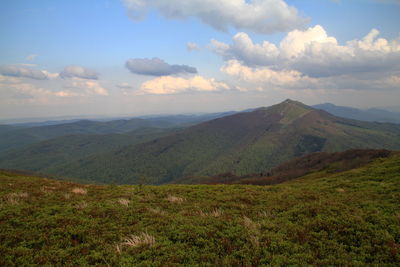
[15,88]
[192,46]
[89,87]
[156,67]
[67,93]
[264,76]
[23,72]
[260,16]
[245,50]
[175,85]
[316,54]
[79,72]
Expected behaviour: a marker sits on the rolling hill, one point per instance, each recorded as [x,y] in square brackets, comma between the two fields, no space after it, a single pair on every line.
[22,136]
[243,143]
[300,166]
[50,153]
[348,218]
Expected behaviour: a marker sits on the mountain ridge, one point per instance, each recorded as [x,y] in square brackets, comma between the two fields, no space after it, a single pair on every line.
[242,143]
[371,114]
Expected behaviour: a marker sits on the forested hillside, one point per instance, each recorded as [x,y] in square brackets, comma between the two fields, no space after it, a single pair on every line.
[244,143]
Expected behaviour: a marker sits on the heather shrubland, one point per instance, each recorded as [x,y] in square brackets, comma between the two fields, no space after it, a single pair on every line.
[350,218]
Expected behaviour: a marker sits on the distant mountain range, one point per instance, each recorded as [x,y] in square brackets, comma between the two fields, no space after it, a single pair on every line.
[156,151]
[21,135]
[372,114]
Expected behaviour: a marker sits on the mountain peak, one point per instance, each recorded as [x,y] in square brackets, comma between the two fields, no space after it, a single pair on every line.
[293,102]
[289,110]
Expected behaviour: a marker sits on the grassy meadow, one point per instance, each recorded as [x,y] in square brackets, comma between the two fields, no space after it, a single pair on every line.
[349,218]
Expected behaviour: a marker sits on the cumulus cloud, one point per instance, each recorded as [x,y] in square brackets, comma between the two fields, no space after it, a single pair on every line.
[192,46]
[88,87]
[156,67]
[23,72]
[15,88]
[314,53]
[260,16]
[175,85]
[264,76]
[79,72]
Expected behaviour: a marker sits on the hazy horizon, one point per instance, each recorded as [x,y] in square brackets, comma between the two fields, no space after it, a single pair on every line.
[106,117]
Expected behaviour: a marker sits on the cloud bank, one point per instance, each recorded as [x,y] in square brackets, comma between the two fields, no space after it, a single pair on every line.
[266,76]
[260,16]
[156,67]
[314,53]
[175,85]
[311,59]
[88,87]
[23,72]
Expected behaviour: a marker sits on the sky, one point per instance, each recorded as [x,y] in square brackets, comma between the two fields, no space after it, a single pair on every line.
[137,57]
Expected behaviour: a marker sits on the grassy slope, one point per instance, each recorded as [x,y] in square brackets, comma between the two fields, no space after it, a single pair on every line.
[349,219]
[243,143]
[298,167]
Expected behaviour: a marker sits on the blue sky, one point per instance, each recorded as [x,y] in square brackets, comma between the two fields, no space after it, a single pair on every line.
[70,57]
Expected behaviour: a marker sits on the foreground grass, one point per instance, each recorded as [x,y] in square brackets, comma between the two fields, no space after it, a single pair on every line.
[350,219]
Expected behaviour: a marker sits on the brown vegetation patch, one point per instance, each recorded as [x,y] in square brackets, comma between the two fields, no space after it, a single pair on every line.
[15,198]
[136,241]
[157,211]
[79,191]
[124,201]
[173,199]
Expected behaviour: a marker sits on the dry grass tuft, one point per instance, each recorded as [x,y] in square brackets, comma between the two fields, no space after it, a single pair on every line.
[253,231]
[118,249]
[15,198]
[254,241]
[340,190]
[214,213]
[47,189]
[173,199]
[157,211]
[67,196]
[79,191]
[82,205]
[123,201]
[137,240]
[249,224]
